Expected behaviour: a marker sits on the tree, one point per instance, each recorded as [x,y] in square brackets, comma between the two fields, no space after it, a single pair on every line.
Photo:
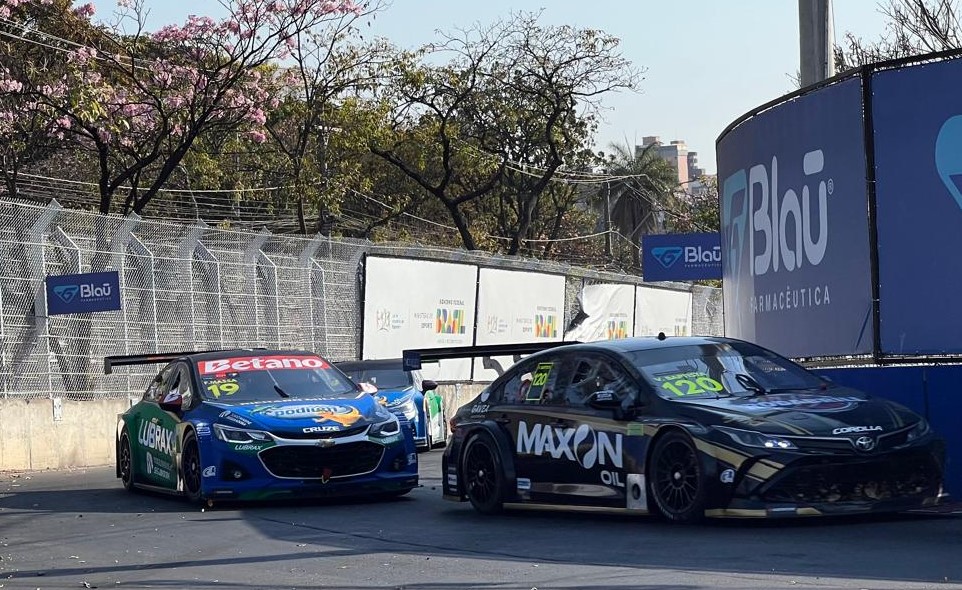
[636,198]
[139,101]
[512,106]
[915,27]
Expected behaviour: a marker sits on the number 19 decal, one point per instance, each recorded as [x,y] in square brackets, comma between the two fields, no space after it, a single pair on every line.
[219,388]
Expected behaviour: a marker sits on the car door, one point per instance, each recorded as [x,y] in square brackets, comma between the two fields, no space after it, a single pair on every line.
[156,429]
[587,458]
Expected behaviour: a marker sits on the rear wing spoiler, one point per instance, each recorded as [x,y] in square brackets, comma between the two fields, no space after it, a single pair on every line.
[147,359]
[412,359]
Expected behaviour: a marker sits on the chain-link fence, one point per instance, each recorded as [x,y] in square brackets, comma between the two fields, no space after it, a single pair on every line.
[195,287]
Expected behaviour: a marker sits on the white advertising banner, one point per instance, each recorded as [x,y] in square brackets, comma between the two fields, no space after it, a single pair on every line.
[419,304]
[516,307]
[662,310]
[608,312]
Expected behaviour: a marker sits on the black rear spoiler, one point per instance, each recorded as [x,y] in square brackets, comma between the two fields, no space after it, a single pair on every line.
[413,358]
[148,359]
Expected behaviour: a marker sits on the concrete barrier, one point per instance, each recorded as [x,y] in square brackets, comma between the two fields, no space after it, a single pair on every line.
[38,434]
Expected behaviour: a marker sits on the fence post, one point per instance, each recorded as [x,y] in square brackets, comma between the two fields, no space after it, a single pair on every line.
[306,262]
[147,306]
[69,369]
[254,256]
[37,261]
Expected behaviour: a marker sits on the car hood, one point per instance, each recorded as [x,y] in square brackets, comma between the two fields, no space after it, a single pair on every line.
[302,415]
[394,396]
[834,412]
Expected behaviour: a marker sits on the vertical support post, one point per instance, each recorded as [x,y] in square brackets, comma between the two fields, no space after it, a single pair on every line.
[147,307]
[119,243]
[185,253]
[306,262]
[252,257]
[37,261]
[69,370]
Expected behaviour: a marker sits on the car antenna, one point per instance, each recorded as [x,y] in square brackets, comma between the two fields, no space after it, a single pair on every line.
[661,336]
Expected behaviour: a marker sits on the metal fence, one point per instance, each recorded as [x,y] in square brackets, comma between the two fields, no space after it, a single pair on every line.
[195,287]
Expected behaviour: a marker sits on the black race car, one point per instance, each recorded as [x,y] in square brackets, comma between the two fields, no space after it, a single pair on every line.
[684,428]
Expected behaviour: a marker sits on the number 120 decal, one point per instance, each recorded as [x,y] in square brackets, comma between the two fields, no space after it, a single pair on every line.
[690,384]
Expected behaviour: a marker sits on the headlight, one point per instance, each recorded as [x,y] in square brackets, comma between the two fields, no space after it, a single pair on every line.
[385,429]
[757,439]
[239,435]
[405,405]
[921,429]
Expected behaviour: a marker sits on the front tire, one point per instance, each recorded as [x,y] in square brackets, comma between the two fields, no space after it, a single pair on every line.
[192,470]
[125,461]
[677,482]
[483,475]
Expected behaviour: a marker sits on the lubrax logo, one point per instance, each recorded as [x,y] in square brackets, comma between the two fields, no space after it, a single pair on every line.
[768,220]
[582,445]
[155,436]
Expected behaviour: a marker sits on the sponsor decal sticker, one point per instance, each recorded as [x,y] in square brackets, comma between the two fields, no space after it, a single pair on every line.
[155,436]
[727,476]
[210,471]
[236,419]
[260,363]
[581,445]
[524,484]
[343,415]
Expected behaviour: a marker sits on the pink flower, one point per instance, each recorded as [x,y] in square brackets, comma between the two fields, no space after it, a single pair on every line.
[85,11]
[257,136]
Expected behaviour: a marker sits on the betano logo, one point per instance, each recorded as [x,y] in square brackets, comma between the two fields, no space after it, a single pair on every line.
[545,326]
[617,329]
[449,321]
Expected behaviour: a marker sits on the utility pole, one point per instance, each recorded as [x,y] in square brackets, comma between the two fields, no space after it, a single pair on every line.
[816,41]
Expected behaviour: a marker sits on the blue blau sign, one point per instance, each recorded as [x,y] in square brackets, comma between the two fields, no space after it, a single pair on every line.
[918,169]
[83,293]
[681,257]
[795,242]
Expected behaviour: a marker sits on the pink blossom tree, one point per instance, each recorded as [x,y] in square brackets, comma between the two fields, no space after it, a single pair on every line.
[137,101]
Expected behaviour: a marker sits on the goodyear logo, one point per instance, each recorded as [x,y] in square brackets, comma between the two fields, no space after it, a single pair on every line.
[545,326]
[617,329]
[449,321]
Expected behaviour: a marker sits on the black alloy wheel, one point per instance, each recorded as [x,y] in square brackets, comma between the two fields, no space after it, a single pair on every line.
[677,483]
[190,459]
[482,474]
[125,460]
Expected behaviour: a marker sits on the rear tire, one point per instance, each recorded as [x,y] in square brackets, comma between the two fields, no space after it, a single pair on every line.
[483,474]
[125,462]
[191,466]
[677,483]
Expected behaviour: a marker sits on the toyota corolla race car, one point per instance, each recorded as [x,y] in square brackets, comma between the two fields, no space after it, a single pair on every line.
[684,428]
[405,393]
[259,424]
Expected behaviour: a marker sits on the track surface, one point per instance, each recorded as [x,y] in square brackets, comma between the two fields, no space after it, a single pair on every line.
[77,529]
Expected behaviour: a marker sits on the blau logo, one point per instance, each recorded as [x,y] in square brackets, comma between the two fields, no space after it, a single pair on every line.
[667,255]
[948,156]
[67,292]
[781,229]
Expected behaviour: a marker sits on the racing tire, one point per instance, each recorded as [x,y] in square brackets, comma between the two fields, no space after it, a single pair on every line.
[483,474]
[191,467]
[125,462]
[677,483]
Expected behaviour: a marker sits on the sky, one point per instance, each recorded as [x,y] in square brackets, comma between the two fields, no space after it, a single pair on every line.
[704,62]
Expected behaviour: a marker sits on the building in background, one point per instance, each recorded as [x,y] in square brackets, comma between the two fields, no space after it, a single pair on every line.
[690,175]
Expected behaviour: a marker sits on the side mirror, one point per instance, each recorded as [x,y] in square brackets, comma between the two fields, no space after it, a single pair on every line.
[428,385]
[172,402]
[604,400]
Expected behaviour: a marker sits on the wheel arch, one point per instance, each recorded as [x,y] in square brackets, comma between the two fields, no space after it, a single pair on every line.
[505,450]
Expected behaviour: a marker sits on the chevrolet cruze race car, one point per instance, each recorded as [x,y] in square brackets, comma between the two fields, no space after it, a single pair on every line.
[684,428]
[405,393]
[259,424]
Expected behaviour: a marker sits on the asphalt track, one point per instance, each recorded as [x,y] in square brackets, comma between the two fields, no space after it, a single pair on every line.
[80,529]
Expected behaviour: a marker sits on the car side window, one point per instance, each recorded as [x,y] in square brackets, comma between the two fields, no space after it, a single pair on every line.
[593,373]
[541,384]
[158,387]
[179,384]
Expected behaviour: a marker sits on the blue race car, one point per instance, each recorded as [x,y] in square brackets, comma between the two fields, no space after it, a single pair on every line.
[406,394]
[260,424]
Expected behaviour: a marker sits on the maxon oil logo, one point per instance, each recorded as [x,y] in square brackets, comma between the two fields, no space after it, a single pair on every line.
[583,445]
[782,229]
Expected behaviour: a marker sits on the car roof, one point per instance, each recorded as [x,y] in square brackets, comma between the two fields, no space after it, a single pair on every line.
[370,364]
[641,343]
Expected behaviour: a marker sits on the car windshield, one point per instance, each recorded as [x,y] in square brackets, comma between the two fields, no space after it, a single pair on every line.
[382,378]
[720,369]
[273,377]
